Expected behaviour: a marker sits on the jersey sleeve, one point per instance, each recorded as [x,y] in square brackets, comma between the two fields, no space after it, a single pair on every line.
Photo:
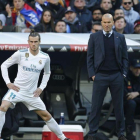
[46,74]
[14,59]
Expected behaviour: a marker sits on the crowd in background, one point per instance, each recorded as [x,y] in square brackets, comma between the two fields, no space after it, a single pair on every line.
[79,16]
[68,16]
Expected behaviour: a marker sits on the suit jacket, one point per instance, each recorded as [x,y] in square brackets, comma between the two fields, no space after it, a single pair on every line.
[96,52]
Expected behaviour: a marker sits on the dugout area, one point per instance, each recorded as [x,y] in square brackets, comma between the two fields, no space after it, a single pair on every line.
[64,91]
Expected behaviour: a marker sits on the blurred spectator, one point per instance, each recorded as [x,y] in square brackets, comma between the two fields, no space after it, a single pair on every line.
[96,26]
[7,28]
[40,6]
[120,24]
[132,97]
[136,5]
[96,14]
[68,3]
[130,15]
[74,25]
[0,24]
[3,3]
[46,23]
[58,12]
[62,3]
[115,4]
[60,26]
[3,19]
[129,27]
[22,16]
[118,12]
[106,6]
[137,27]
[89,3]
[83,14]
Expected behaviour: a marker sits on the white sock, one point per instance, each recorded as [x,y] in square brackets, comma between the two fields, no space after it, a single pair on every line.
[2,120]
[53,126]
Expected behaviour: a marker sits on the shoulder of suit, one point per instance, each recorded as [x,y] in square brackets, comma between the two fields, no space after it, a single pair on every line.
[97,33]
[120,35]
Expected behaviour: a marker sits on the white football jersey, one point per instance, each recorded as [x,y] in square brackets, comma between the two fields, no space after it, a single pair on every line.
[29,68]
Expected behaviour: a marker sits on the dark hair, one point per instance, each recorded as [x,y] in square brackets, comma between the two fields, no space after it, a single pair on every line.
[118,9]
[96,23]
[97,8]
[110,1]
[1,22]
[60,21]
[34,34]
[118,18]
[51,21]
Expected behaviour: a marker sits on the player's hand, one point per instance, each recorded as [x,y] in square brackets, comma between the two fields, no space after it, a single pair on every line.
[132,95]
[12,86]
[93,77]
[37,92]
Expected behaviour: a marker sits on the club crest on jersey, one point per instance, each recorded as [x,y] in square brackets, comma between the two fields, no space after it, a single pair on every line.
[40,61]
[26,55]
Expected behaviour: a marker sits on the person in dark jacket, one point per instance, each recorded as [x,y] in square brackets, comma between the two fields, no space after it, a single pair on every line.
[115,4]
[46,23]
[107,63]
[137,27]
[106,6]
[120,24]
[58,12]
[60,26]
[73,23]
[132,97]
[83,14]
[96,26]
[3,12]
[128,28]
[96,14]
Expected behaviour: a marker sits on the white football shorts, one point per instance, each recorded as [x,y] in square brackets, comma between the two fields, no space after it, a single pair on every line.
[32,103]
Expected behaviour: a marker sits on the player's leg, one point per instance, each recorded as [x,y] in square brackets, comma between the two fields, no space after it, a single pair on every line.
[3,108]
[51,123]
[9,100]
[36,104]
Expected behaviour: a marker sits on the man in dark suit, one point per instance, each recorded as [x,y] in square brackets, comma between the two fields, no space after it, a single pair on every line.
[107,62]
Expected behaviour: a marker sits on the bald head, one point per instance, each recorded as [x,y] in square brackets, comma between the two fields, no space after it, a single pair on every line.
[107,22]
[107,16]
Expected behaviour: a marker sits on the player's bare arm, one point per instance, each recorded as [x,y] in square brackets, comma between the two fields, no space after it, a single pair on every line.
[12,86]
[37,92]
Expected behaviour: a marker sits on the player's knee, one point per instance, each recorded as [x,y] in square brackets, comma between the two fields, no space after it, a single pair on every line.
[3,108]
[47,117]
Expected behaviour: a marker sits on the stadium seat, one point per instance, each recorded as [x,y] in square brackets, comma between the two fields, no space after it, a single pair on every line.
[59,97]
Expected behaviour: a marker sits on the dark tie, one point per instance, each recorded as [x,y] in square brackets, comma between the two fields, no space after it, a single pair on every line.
[107,35]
